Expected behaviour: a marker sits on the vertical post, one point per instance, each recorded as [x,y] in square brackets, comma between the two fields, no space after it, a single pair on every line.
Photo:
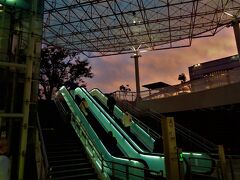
[136,56]
[27,90]
[170,149]
[237,35]
[222,162]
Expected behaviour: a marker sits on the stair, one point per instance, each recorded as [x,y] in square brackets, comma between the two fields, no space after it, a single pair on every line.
[66,155]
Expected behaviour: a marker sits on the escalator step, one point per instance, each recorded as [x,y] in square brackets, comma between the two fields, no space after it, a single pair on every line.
[57,153]
[64,161]
[89,176]
[65,156]
[72,172]
[70,166]
[55,143]
[64,148]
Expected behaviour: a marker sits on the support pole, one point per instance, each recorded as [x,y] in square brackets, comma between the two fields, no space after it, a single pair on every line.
[27,90]
[222,162]
[237,35]
[15,65]
[136,56]
[170,149]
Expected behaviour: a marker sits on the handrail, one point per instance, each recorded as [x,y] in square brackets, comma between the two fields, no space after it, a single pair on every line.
[113,123]
[184,155]
[116,126]
[99,154]
[91,143]
[138,122]
[211,82]
[43,148]
[207,145]
[210,146]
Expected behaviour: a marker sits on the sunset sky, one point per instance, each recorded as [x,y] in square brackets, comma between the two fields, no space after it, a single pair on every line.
[165,65]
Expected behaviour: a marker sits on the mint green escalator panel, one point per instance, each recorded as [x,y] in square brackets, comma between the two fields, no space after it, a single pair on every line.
[144,137]
[119,163]
[155,162]
[200,162]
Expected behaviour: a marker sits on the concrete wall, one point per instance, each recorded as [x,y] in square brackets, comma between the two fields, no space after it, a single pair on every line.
[225,95]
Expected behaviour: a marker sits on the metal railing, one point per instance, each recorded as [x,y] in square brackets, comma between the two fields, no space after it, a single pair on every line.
[206,83]
[191,136]
[126,106]
[196,139]
[127,171]
[232,168]
[95,155]
[40,153]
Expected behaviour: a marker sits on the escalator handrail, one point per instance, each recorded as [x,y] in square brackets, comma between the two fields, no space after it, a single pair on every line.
[194,137]
[92,141]
[117,127]
[43,147]
[147,129]
[99,154]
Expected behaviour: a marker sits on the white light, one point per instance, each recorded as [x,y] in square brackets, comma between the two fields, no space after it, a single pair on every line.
[1,8]
[197,65]
[196,154]
[142,51]
[228,14]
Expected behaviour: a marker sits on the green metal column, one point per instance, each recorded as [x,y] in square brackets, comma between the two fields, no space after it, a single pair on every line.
[27,88]
[170,148]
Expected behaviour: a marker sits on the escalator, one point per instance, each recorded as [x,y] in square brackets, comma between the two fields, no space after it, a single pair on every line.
[125,143]
[117,119]
[204,162]
[102,134]
[143,133]
[88,129]
[186,138]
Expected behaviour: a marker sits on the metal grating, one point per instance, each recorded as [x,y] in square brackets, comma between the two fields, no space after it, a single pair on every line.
[103,28]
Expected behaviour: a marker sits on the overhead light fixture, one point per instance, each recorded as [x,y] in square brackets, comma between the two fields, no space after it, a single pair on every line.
[142,51]
[228,14]
[1,8]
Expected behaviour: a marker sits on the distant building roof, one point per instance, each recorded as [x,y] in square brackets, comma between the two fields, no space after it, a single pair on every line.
[156,85]
[202,70]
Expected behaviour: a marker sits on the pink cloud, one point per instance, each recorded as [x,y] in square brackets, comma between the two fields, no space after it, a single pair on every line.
[163,65]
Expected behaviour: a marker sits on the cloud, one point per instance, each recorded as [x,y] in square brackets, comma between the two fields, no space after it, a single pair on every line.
[164,65]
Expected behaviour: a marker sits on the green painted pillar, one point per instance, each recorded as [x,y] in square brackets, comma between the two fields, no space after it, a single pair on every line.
[31,53]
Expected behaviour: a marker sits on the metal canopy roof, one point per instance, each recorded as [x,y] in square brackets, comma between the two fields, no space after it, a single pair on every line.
[156,85]
[109,27]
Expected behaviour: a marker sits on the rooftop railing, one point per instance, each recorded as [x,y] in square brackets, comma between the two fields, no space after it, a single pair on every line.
[216,80]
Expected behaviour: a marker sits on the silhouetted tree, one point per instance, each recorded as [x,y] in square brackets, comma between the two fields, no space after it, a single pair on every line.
[58,67]
[182,78]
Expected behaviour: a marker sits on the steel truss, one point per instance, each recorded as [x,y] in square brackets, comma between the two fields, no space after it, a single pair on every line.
[110,27]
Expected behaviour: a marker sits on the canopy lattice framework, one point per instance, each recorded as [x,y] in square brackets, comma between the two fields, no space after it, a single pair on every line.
[109,27]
